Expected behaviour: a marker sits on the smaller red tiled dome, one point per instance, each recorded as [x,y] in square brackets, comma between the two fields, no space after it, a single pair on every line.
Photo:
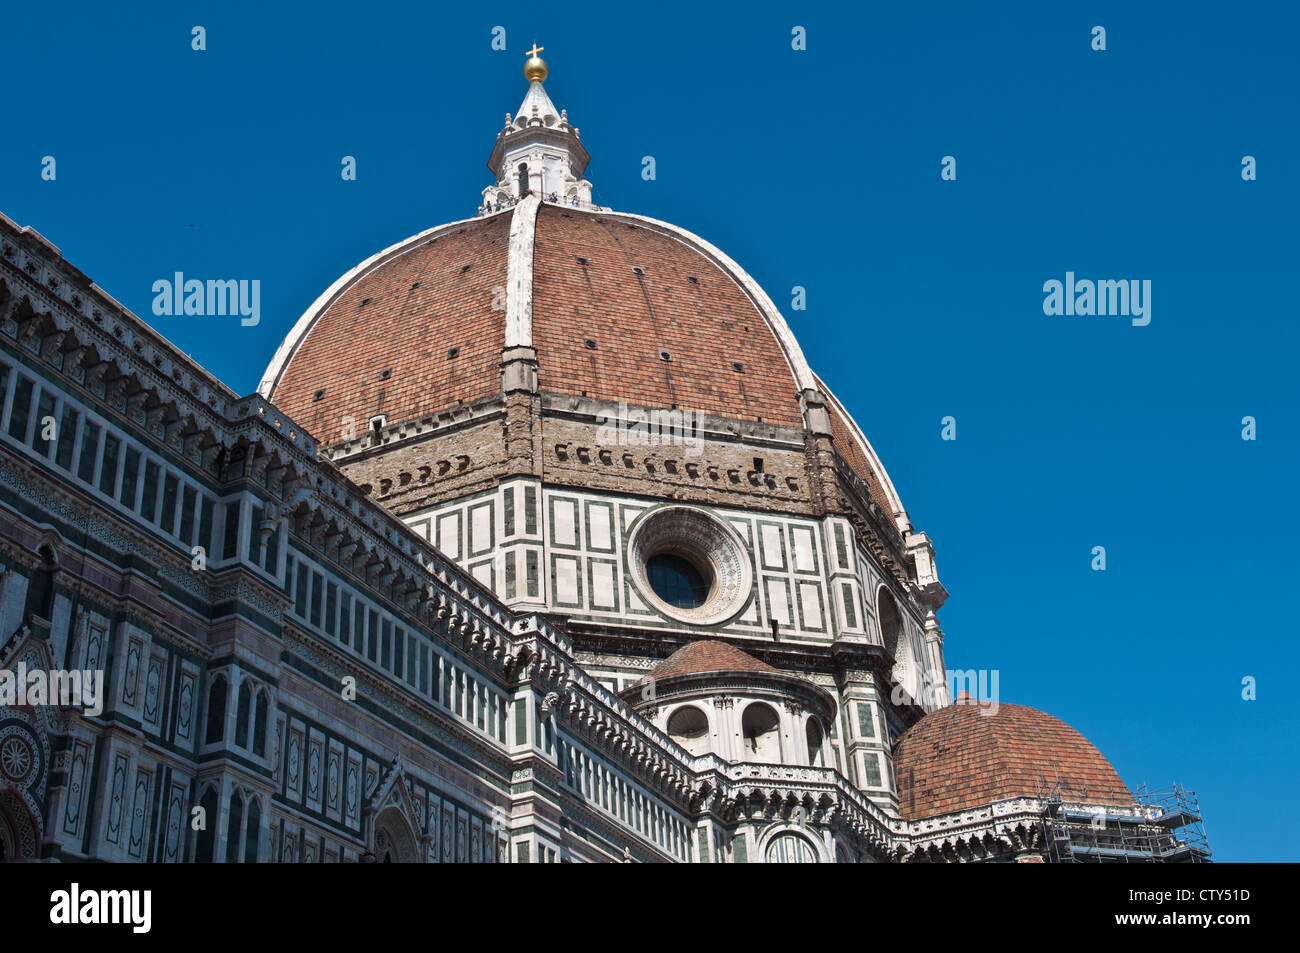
[708,655]
[968,755]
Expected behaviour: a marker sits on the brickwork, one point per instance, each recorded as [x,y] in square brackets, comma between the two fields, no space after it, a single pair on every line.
[966,755]
[404,317]
[586,288]
[720,473]
[417,473]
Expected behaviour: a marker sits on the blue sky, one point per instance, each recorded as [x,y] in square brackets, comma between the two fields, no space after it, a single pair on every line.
[820,168]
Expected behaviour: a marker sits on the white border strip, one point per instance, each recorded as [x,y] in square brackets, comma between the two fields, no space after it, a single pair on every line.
[519,273]
[899,514]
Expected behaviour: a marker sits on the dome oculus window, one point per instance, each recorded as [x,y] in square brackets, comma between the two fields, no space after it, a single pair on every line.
[689,565]
[677,581]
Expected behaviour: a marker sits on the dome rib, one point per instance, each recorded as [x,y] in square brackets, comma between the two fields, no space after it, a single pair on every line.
[856,449]
[519,273]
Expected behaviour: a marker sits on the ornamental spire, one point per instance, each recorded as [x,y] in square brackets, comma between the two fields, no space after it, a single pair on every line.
[537,152]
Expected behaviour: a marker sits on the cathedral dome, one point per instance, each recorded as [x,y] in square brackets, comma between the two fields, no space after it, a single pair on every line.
[621,308]
[548,293]
[967,755]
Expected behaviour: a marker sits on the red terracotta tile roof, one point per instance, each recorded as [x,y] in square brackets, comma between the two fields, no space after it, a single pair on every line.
[967,755]
[403,316]
[708,655]
[704,324]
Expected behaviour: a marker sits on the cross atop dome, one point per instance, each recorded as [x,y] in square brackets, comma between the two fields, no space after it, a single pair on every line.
[535,67]
[537,152]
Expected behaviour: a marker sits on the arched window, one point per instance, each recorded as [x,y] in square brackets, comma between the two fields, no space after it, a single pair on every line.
[523,179]
[254,832]
[891,620]
[790,848]
[216,709]
[40,592]
[395,841]
[242,713]
[689,727]
[259,724]
[207,840]
[761,729]
[813,731]
[234,840]
[917,651]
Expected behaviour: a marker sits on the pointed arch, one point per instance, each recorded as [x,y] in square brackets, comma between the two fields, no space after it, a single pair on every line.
[395,816]
[235,827]
[259,722]
[394,840]
[218,690]
[19,832]
[206,843]
[253,834]
[243,712]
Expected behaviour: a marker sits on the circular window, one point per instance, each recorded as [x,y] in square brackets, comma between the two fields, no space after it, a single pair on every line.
[677,581]
[15,758]
[689,565]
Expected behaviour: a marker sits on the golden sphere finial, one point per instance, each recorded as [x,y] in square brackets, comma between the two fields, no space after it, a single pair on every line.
[535,66]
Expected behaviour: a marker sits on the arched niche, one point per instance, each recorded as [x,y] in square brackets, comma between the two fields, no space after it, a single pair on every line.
[689,727]
[760,730]
[395,842]
[816,739]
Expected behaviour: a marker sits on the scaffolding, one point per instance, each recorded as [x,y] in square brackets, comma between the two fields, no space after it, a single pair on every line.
[1160,826]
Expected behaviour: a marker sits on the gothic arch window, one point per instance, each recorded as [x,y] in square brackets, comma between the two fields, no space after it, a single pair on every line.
[242,713]
[235,828]
[217,693]
[19,836]
[259,723]
[204,850]
[790,848]
[916,649]
[891,620]
[689,727]
[254,826]
[395,841]
[40,593]
[816,743]
[761,730]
